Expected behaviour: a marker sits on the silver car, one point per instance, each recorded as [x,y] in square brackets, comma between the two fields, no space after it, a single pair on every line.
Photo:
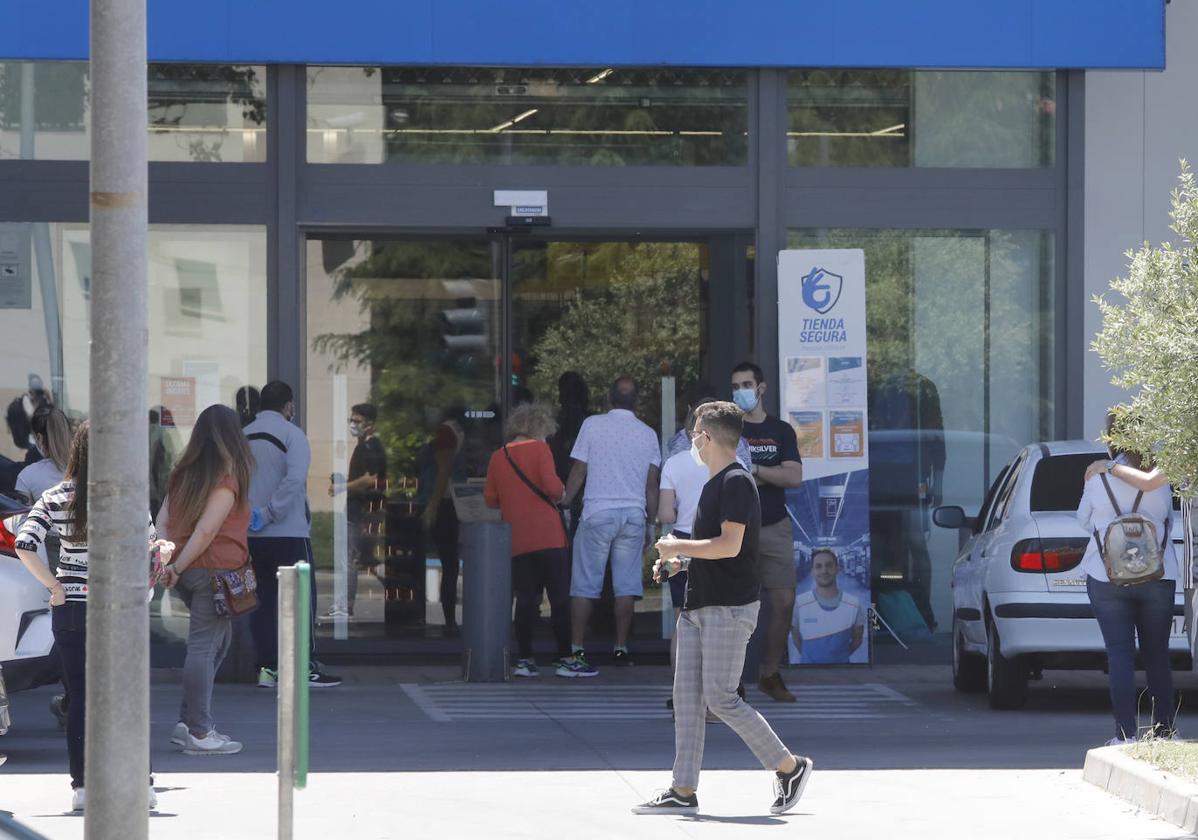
[1019,596]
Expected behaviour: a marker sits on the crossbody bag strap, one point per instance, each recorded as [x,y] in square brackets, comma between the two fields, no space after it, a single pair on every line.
[541,494]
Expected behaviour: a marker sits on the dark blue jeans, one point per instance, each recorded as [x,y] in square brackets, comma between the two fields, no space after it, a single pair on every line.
[268,555]
[69,623]
[1124,612]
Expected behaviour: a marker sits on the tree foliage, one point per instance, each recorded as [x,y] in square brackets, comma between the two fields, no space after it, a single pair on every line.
[644,323]
[1149,340]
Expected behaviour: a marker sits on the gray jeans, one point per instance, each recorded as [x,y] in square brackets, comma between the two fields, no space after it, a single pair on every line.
[208,640]
[711,654]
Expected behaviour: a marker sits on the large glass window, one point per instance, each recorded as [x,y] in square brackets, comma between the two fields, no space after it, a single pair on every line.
[207,338]
[410,335]
[578,116]
[409,329]
[961,374]
[197,112]
[925,118]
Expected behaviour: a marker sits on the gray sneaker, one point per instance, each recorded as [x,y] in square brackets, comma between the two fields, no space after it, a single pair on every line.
[180,733]
[210,744]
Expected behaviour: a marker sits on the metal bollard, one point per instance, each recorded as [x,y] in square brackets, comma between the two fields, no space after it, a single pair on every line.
[486,600]
[294,617]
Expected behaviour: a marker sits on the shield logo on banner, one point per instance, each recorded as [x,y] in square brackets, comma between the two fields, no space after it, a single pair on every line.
[821,289]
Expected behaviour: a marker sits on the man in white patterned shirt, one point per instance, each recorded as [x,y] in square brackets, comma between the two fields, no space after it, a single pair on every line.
[619,459]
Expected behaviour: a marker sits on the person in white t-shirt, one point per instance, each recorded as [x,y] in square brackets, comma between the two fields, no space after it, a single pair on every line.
[619,459]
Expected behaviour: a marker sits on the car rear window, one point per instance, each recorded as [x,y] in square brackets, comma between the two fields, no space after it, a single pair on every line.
[1058,480]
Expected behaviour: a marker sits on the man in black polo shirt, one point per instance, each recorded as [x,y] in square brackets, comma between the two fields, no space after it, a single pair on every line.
[718,619]
[776,467]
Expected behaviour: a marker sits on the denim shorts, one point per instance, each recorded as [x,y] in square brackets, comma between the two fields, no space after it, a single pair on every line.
[618,534]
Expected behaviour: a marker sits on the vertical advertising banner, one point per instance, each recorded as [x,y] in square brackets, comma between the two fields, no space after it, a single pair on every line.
[822,360]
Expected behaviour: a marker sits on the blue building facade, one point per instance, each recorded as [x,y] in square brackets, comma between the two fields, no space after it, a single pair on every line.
[330,203]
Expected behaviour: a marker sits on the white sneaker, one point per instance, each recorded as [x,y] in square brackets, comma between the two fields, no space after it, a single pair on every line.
[1120,742]
[179,735]
[78,799]
[211,744]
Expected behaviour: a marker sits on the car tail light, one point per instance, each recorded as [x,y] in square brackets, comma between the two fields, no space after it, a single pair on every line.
[8,540]
[1049,556]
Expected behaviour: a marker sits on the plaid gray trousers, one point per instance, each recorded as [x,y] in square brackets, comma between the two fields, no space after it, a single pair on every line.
[711,655]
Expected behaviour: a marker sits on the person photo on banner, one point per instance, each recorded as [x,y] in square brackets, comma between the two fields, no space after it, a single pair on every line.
[829,624]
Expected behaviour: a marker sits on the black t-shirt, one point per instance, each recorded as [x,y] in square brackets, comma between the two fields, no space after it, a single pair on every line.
[729,496]
[368,457]
[771,442]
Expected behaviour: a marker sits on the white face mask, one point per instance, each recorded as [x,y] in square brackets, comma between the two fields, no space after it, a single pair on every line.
[355,429]
[695,453]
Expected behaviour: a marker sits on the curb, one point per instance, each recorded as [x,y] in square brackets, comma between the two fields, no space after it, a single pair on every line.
[1148,788]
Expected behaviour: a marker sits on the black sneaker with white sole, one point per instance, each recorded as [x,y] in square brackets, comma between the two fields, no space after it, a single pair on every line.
[669,802]
[319,679]
[788,787]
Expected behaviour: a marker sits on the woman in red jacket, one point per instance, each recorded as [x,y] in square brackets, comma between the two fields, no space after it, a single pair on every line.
[523,484]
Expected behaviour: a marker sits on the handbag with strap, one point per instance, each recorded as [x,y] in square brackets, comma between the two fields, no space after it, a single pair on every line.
[541,494]
[234,591]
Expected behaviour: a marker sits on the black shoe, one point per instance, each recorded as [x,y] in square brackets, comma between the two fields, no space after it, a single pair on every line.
[788,787]
[319,679]
[620,657]
[669,802]
[670,704]
[740,690]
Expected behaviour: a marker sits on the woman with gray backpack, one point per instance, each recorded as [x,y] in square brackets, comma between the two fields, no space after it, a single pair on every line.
[1131,578]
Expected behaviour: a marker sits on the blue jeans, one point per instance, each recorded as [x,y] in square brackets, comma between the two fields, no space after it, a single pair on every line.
[69,624]
[1123,612]
[618,534]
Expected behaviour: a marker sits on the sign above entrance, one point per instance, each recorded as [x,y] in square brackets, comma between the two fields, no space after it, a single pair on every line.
[524,203]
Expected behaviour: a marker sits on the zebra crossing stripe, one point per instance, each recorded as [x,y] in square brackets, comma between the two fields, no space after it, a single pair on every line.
[449,702]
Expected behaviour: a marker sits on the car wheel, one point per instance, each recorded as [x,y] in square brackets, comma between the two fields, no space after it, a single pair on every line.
[1006,679]
[969,669]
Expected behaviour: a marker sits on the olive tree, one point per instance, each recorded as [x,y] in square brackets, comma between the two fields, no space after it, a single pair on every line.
[1149,341]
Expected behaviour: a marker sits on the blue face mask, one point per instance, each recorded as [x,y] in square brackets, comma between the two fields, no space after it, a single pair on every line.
[745,398]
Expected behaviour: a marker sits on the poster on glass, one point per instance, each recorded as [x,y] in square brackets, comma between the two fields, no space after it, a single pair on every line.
[822,350]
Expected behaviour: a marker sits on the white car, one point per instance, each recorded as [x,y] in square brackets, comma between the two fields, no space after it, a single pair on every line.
[27,658]
[1019,596]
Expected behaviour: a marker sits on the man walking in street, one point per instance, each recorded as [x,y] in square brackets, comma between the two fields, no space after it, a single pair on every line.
[828,624]
[619,459]
[719,617]
[280,523]
[776,468]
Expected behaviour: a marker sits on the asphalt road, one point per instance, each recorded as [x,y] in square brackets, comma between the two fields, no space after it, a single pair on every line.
[402,719]
[412,752]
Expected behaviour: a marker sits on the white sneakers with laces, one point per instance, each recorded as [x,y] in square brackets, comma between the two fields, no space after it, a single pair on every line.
[79,799]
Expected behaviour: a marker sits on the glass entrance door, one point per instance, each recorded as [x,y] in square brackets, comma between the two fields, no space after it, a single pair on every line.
[421,346]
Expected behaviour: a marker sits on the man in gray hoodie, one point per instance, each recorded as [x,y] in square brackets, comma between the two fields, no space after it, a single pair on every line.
[280,522]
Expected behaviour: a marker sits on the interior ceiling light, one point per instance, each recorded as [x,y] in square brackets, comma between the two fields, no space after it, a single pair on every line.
[600,76]
[514,120]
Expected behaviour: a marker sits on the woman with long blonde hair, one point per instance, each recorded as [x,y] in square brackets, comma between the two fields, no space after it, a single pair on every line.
[206,514]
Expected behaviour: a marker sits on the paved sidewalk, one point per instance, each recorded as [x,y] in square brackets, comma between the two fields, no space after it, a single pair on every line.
[838,805]
[412,752]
